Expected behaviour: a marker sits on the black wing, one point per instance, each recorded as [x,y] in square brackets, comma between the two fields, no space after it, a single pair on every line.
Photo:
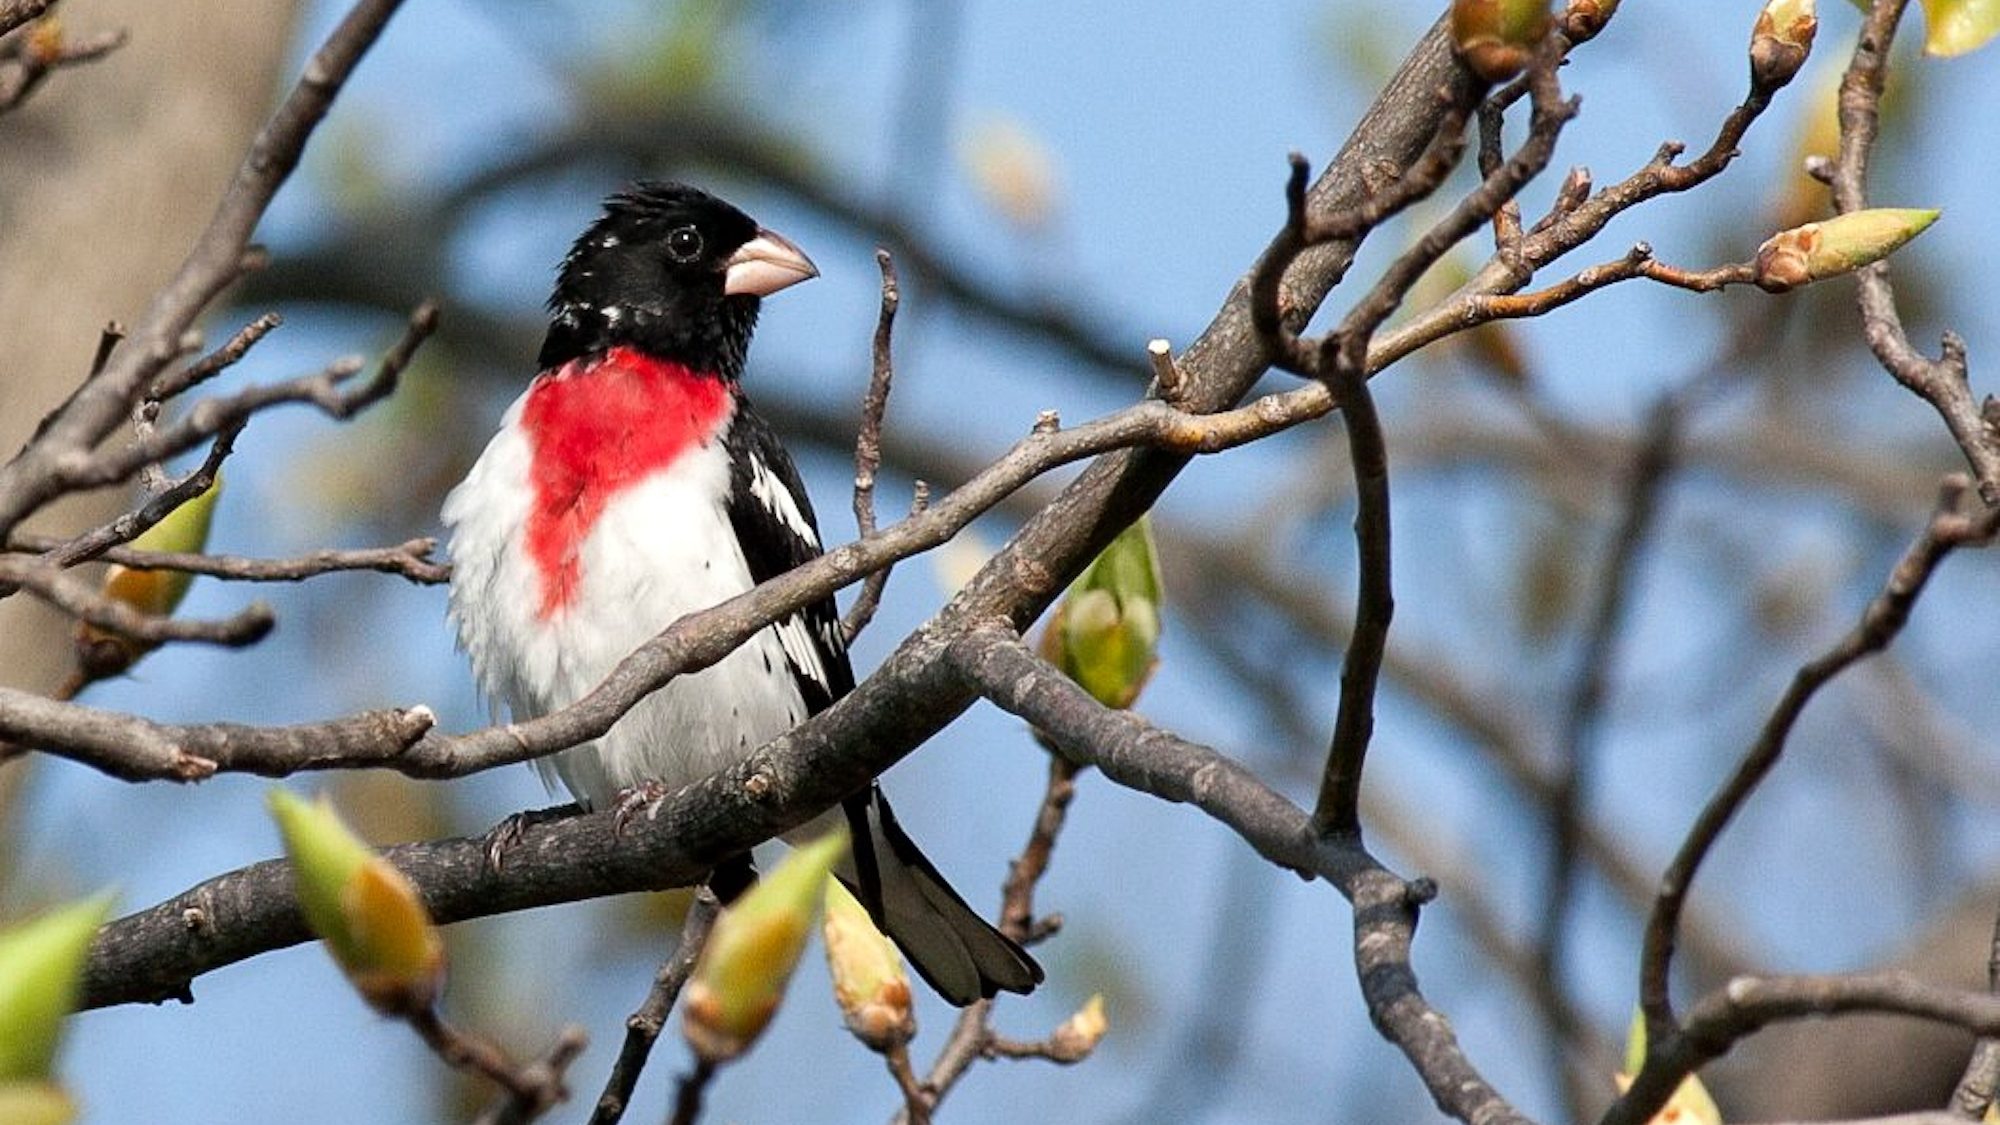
[952,947]
[773,518]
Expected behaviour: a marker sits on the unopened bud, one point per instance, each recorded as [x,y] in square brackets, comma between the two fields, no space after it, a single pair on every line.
[868,978]
[35,1103]
[752,951]
[1106,633]
[367,912]
[1842,244]
[1780,42]
[1497,38]
[1074,1038]
[41,972]
[101,652]
[1956,28]
[1583,19]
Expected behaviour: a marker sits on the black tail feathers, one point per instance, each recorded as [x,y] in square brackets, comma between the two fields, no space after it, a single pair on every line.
[957,952]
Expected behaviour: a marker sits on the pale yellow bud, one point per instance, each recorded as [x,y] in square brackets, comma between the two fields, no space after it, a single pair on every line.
[1076,1037]
[35,1103]
[367,912]
[752,951]
[1842,244]
[868,978]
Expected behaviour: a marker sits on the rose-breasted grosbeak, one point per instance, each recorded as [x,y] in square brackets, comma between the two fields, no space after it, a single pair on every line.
[633,484]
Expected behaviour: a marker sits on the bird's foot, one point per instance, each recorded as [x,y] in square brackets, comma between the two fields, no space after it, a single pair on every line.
[506,835]
[644,797]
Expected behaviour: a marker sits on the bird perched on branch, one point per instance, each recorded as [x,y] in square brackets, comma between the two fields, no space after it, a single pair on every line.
[632,484]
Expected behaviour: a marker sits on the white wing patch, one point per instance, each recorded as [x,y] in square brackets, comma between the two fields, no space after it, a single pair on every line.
[778,500]
[801,651]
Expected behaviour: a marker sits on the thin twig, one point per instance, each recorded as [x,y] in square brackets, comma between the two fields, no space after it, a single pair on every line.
[1338,810]
[868,445]
[532,1088]
[1973,1095]
[1949,527]
[82,600]
[1168,381]
[971,1034]
[1576,741]
[1943,382]
[545,1080]
[409,560]
[1304,230]
[917,1097]
[107,340]
[327,389]
[1577,224]
[688,1095]
[232,351]
[158,506]
[36,475]
[642,1027]
[41,50]
[1024,873]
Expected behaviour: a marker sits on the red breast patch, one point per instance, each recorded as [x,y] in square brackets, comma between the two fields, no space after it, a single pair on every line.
[595,427]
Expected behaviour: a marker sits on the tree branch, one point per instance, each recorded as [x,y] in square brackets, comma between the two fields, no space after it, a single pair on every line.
[34,476]
[1136,754]
[1950,527]
[1944,382]
[643,1027]
[868,446]
[411,560]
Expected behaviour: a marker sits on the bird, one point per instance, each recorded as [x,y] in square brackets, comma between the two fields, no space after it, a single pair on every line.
[632,483]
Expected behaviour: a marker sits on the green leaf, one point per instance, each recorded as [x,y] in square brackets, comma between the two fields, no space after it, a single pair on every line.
[41,973]
[1106,633]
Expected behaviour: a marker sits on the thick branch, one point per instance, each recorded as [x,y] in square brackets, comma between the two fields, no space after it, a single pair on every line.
[1134,753]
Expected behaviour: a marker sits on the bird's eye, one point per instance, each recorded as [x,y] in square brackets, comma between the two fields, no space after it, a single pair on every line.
[684,244]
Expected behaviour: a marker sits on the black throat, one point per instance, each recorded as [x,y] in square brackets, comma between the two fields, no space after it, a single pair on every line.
[714,340]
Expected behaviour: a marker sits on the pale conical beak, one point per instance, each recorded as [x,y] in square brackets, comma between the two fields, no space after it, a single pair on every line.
[764,265]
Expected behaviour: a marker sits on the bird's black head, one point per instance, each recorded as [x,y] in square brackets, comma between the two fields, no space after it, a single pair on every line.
[670,270]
